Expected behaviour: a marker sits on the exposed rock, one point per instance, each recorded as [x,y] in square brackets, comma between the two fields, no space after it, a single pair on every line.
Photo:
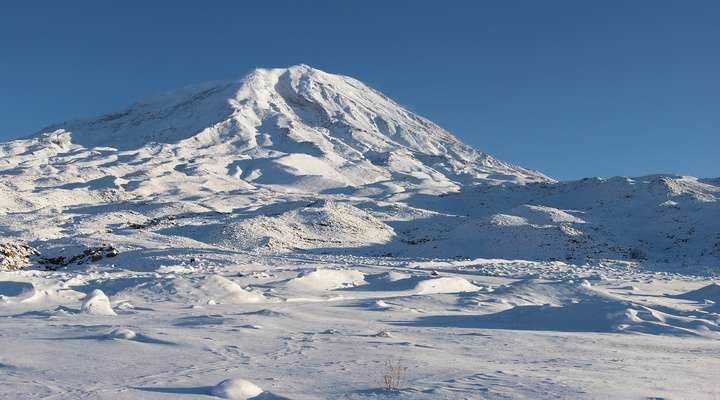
[168,220]
[14,256]
[92,254]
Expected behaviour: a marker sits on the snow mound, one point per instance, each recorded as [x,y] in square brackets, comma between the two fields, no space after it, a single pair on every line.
[236,389]
[323,224]
[123,333]
[221,290]
[97,303]
[394,281]
[450,284]
[327,279]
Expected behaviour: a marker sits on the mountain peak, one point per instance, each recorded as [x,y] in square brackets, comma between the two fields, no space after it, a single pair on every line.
[302,67]
[298,127]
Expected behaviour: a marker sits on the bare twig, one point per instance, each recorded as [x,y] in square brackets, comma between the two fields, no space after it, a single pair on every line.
[393,374]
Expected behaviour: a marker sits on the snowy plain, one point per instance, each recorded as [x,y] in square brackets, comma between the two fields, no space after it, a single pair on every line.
[287,235]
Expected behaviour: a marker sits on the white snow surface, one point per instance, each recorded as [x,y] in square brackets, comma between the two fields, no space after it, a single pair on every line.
[299,229]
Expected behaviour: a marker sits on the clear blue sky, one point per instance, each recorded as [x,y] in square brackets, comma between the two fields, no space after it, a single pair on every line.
[572,88]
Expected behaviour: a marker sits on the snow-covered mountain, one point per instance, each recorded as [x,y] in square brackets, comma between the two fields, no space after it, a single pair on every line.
[263,148]
[296,127]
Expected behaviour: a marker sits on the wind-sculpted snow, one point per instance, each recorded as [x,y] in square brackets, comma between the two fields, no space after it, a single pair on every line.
[294,234]
[579,307]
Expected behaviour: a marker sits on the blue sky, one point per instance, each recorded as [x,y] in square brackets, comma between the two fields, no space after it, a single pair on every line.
[571,88]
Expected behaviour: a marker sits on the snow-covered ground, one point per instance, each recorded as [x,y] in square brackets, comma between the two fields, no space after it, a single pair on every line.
[323,327]
[298,235]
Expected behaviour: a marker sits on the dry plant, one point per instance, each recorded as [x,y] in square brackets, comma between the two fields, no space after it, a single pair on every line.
[393,374]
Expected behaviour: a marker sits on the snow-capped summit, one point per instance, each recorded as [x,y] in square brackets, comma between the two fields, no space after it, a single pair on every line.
[298,127]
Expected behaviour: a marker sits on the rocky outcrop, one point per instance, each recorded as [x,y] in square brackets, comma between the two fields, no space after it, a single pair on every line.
[14,256]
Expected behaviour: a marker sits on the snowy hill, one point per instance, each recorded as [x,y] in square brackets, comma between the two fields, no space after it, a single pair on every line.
[672,220]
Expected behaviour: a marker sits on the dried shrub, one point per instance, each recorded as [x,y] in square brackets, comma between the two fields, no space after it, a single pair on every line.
[393,375]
